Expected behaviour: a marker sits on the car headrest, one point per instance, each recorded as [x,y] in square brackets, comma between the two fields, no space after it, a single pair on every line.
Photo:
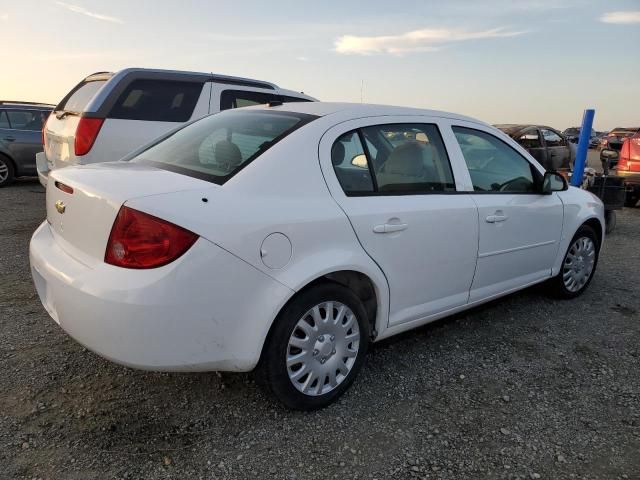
[337,153]
[227,153]
[405,159]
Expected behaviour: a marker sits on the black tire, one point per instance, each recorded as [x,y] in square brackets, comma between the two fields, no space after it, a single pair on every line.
[610,219]
[272,371]
[556,285]
[630,200]
[7,171]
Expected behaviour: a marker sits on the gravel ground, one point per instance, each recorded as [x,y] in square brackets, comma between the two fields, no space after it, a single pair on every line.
[525,388]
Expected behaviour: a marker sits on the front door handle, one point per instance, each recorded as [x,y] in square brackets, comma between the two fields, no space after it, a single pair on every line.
[390,227]
[496,218]
[10,139]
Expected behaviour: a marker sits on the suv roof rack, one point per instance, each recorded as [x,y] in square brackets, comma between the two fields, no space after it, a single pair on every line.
[19,102]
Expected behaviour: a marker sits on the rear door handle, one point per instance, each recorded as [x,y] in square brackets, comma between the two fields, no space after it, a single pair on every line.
[10,139]
[390,227]
[496,218]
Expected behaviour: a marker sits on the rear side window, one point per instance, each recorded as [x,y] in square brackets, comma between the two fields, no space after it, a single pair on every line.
[157,100]
[243,98]
[530,139]
[30,120]
[216,147]
[79,98]
[396,159]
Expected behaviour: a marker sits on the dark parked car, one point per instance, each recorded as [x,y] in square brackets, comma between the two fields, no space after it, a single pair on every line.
[548,146]
[572,134]
[20,138]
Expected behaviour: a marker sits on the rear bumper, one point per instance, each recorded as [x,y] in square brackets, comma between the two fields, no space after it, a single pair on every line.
[43,168]
[631,179]
[208,310]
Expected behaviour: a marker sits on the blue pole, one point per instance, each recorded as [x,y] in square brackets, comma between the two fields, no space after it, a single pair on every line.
[583,147]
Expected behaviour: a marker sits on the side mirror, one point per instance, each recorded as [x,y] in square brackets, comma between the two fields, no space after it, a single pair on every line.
[554,182]
[360,161]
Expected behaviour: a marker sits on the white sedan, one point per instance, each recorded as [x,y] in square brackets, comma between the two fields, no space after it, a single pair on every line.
[286,238]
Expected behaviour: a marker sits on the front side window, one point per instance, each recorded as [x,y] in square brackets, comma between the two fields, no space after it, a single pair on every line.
[494,166]
[552,139]
[31,120]
[4,121]
[217,147]
[529,139]
[157,100]
[244,98]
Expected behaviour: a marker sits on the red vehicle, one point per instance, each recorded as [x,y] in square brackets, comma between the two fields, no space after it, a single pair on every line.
[628,167]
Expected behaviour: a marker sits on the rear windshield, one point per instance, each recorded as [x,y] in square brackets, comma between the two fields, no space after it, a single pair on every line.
[217,147]
[79,98]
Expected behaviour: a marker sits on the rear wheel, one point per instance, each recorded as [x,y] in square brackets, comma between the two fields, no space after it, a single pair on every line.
[7,171]
[578,266]
[316,347]
[630,200]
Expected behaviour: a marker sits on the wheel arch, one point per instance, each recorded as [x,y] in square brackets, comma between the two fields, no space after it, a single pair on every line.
[372,290]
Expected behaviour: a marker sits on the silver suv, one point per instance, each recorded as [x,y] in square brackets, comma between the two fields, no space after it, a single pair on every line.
[108,115]
[20,138]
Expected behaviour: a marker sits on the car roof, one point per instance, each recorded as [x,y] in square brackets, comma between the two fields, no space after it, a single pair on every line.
[515,128]
[21,104]
[358,110]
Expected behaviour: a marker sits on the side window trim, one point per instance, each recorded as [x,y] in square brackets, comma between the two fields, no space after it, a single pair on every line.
[535,171]
[367,154]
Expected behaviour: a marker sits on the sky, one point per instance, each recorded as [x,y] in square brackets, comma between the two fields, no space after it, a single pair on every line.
[501,61]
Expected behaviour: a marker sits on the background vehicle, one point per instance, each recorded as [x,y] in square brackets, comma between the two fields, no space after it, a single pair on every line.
[628,167]
[108,115]
[290,237]
[613,141]
[20,138]
[548,146]
[572,135]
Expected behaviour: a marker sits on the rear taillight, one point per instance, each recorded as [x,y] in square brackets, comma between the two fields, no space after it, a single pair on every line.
[140,240]
[86,134]
[44,134]
[625,154]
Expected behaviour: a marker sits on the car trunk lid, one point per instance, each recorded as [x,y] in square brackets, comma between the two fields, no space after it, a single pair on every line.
[82,202]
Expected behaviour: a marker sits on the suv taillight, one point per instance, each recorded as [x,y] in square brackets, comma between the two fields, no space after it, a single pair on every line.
[86,134]
[140,240]
[625,155]
[44,134]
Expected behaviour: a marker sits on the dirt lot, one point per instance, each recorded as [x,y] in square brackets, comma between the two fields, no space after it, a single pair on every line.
[525,388]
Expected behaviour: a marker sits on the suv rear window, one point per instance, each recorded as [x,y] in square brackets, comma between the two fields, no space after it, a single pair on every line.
[78,99]
[217,147]
[157,100]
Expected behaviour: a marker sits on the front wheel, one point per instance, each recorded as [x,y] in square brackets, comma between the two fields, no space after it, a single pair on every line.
[578,266]
[316,347]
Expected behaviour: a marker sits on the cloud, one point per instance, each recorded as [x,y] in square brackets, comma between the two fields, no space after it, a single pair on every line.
[84,11]
[425,40]
[621,17]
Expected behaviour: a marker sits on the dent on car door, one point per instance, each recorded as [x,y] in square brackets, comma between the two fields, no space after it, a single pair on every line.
[395,183]
[519,227]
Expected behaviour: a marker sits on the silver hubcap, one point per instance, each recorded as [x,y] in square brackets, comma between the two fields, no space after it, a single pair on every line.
[323,348]
[578,264]
[4,171]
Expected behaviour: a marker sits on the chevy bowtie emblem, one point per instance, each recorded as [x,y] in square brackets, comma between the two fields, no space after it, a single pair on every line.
[60,206]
